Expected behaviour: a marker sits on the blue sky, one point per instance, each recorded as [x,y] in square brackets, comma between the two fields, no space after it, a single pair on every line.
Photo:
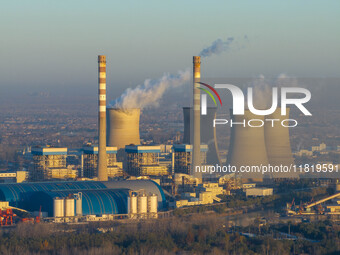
[55,43]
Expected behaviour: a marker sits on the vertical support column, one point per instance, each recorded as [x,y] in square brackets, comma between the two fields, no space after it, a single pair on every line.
[196,159]
[102,163]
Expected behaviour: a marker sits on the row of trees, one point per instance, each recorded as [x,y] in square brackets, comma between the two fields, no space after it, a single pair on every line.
[199,234]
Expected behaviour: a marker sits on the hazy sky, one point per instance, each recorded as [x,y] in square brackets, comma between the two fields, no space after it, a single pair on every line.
[55,43]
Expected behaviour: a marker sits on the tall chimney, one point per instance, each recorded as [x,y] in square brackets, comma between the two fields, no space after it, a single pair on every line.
[196,154]
[102,163]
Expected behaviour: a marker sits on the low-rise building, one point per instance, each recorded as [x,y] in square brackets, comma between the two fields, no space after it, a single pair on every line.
[259,192]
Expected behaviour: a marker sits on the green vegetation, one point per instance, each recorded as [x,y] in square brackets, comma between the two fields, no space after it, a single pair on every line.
[198,234]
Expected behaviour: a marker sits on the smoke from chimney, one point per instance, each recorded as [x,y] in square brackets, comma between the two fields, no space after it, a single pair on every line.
[151,92]
[217,47]
[263,87]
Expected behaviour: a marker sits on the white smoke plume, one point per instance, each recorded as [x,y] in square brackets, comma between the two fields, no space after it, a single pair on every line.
[150,92]
[217,47]
[263,89]
[262,92]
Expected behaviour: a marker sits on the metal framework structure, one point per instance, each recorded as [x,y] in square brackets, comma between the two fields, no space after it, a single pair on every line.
[183,161]
[139,164]
[44,164]
[91,165]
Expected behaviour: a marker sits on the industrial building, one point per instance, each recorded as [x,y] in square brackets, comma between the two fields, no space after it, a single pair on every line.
[13,176]
[259,192]
[86,198]
[229,181]
[90,162]
[182,157]
[50,163]
[206,193]
[144,160]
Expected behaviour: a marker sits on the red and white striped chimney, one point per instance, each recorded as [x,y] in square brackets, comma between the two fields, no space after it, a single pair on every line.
[102,163]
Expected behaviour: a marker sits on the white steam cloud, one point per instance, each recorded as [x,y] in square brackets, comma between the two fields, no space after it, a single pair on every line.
[151,92]
[217,47]
[263,89]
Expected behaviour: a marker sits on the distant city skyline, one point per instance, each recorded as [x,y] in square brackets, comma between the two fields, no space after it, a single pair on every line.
[54,45]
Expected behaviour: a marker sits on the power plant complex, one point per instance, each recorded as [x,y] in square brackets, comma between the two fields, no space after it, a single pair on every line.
[123,178]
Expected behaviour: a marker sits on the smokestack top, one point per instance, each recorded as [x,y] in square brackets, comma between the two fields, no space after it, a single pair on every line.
[197,59]
[101,59]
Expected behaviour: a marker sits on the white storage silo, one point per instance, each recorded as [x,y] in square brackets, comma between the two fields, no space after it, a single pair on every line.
[58,207]
[79,204]
[132,205]
[142,205]
[152,206]
[69,207]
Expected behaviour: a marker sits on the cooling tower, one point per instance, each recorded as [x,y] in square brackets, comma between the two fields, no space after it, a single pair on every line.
[208,132]
[277,141]
[102,163]
[196,154]
[247,146]
[123,127]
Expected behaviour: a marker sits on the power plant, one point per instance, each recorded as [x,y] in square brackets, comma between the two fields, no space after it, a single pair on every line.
[247,145]
[123,127]
[208,133]
[136,192]
[102,164]
[264,144]
[197,114]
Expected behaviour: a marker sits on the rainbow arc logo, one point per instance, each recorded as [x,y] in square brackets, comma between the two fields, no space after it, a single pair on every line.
[204,97]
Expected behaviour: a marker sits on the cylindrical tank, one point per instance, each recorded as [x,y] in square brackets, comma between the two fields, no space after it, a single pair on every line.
[277,142]
[152,203]
[142,204]
[208,132]
[123,127]
[69,207]
[58,207]
[247,146]
[79,204]
[132,204]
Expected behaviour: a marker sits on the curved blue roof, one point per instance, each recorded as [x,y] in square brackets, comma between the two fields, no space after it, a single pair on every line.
[149,186]
[17,194]
[103,201]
